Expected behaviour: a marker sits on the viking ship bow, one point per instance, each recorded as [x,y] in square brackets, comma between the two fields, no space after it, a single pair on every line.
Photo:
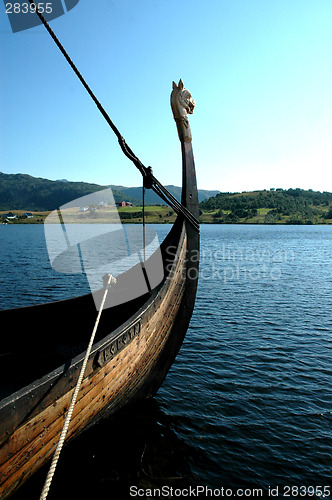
[136,343]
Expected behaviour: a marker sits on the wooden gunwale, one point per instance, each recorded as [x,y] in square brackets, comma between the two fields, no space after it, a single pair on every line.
[28,453]
[44,390]
[32,418]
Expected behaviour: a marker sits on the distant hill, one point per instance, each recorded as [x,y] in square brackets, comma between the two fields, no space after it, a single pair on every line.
[151,198]
[25,192]
[280,206]
[274,206]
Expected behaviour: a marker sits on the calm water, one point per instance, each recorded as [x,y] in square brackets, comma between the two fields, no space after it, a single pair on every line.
[247,404]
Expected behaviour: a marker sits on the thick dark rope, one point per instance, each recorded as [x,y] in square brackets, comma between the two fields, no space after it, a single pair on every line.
[149,179]
[143,228]
[124,146]
[174,203]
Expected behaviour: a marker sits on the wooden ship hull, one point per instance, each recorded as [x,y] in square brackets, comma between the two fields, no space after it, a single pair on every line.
[137,343]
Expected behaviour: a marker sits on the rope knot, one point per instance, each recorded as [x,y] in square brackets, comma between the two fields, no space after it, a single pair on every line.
[148,178]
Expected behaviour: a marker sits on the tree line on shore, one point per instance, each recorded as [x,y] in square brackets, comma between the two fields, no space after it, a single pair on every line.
[24,192]
[273,206]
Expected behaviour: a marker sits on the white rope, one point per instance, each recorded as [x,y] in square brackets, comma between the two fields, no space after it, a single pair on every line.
[62,438]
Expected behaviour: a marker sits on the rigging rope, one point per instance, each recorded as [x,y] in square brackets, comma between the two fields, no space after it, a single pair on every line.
[110,280]
[145,274]
[146,172]
[124,146]
[144,239]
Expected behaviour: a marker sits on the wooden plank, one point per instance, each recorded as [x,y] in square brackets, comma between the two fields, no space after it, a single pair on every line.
[33,443]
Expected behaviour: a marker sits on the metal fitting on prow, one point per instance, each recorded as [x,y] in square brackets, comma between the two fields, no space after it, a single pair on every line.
[148,178]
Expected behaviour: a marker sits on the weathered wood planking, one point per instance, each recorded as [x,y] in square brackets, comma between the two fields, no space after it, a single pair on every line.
[118,381]
[138,342]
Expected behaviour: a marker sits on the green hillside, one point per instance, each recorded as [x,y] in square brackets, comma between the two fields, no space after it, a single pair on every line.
[292,206]
[24,192]
[151,198]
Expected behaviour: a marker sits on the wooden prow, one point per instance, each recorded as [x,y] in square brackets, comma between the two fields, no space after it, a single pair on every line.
[182,105]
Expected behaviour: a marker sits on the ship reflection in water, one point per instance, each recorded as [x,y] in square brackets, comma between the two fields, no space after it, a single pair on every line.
[120,458]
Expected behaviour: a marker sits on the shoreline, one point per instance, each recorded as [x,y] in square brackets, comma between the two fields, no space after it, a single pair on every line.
[157,214]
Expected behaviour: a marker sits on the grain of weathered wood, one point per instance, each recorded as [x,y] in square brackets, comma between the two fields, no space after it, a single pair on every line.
[137,344]
[29,446]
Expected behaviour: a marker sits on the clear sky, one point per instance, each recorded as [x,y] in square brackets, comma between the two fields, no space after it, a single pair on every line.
[259,70]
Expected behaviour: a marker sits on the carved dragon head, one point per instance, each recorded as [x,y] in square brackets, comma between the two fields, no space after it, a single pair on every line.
[182,104]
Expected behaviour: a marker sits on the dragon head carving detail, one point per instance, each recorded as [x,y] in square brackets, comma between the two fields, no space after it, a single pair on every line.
[182,105]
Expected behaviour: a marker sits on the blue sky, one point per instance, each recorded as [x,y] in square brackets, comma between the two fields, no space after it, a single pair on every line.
[259,70]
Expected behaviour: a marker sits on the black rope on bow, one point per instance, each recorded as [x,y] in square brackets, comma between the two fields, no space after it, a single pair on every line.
[143,229]
[124,146]
[149,180]
[145,274]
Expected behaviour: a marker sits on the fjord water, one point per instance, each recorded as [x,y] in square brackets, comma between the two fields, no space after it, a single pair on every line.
[248,401]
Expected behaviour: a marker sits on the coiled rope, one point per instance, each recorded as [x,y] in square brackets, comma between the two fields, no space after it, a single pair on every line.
[110,280]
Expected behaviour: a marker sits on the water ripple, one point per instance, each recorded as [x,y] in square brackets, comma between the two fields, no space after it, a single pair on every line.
[249,397]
